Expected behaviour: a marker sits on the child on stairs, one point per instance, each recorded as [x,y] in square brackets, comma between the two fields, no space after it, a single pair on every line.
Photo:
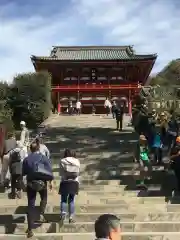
[142,157]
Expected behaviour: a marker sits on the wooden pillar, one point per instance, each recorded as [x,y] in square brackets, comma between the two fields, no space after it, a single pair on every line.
[129,104]
[78,71]
[110,95]
[79,75]
[62,77]
[108,75]
[59,104]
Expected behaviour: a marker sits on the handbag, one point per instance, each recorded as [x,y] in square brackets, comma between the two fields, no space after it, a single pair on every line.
[36,185]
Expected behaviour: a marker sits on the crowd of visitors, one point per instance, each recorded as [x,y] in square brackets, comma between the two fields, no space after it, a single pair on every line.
[27,166]
[159,144]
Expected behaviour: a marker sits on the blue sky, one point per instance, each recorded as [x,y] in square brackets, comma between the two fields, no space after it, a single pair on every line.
[32,27]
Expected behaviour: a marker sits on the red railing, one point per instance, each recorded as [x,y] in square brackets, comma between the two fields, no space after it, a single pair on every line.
[94,87]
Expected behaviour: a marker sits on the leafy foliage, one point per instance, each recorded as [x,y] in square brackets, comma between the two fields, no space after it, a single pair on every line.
[170,75]
[30,98]
[5,110]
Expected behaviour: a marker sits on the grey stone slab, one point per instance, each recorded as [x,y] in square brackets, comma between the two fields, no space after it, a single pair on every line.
[163,216]
[90,236]
[20,228]
[79,208]
[173,207]
[84,227]
[157,227]
[91,217]
[55,217]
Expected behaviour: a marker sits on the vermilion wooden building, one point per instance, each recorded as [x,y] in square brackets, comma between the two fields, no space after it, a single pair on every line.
[92,73]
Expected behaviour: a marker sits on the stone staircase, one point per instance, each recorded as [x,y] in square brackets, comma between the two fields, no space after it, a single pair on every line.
[107,186]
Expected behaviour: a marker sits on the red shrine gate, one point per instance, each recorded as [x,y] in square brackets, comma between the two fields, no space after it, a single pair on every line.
[93,73]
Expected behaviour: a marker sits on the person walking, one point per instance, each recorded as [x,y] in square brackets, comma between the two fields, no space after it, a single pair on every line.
[70,108]
[172,131]
[157,147]
[24,137]
[9,145]
[15,167]
[69,185]
[38,171]
[107,105]
[142,157]
[163,127]
[175,161]
[114,106]
[119,112]
[78,107]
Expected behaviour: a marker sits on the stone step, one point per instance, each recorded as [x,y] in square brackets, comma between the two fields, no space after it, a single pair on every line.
[21,208]
[91,217]
[106,193]
[81,227]
[91,199]
[90,236]
[89,165]
[130,169]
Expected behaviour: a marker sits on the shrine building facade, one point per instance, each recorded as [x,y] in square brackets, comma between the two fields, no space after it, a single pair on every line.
[94,73]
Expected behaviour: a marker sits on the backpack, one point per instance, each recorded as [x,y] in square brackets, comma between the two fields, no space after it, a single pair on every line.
[15,165]
[15,156]
[70,169]
[41,171]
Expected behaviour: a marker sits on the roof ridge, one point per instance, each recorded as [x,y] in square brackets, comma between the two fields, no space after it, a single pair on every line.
[92,47]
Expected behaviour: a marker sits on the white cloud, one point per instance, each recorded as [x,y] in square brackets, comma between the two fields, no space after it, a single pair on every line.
[151,26]
[19,39]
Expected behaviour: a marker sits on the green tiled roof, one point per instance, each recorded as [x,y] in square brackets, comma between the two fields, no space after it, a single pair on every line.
[94,53]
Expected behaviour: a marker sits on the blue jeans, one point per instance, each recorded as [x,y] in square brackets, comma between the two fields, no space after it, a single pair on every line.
[67,199]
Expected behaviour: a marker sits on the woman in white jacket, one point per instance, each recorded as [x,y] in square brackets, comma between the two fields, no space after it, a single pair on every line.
[69,185]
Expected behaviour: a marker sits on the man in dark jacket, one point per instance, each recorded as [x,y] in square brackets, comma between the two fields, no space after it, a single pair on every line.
[114,106]
[175,161]
[119,112]
[35,184]
[172,131]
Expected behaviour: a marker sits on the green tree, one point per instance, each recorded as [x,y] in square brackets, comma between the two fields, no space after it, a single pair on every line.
[170,75]
[5,110]
[30,98]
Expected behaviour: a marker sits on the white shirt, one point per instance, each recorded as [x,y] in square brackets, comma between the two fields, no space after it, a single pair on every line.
[24,138]
[107,103]
[78,105]
[44,150]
